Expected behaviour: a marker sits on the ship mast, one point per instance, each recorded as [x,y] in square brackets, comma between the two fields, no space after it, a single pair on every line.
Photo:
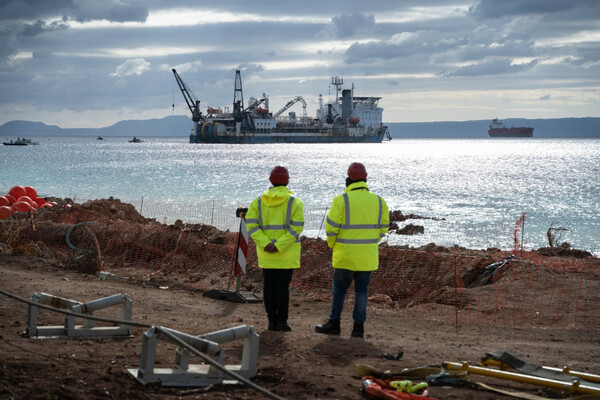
[337,82]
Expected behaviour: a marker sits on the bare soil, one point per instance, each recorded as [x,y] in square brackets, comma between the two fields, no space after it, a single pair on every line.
[300,364]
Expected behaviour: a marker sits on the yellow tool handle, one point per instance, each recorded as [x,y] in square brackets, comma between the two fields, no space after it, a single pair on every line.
[583,375]
[574,387]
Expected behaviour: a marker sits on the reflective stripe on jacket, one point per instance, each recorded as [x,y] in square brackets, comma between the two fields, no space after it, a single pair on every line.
[276,217]
[356,222]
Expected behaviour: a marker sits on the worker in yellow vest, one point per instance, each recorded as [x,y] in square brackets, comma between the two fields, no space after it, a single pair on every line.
[275,221]
[356,222]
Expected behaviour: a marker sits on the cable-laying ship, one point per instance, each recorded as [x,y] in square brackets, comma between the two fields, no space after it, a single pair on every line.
[348,119]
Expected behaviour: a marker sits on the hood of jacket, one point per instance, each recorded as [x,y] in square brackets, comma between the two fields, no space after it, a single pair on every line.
[356,186]
[275,196]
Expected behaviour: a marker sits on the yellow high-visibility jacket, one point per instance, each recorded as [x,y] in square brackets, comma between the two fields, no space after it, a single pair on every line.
[276,217]
[356,222]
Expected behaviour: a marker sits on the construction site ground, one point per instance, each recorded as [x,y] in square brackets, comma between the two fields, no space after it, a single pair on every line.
[300,364]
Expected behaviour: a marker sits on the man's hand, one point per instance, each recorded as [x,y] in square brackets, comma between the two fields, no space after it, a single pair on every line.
[271,248]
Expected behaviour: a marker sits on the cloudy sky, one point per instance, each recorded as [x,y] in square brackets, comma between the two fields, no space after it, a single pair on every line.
[91,63]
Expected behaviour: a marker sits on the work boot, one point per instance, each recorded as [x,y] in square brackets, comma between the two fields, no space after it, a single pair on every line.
[358,330]
[283,326]
[272,324]
[331,327]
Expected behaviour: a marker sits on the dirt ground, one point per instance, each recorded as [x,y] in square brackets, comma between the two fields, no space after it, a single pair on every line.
[300,364]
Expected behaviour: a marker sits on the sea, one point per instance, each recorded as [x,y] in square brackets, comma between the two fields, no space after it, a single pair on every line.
[471,191]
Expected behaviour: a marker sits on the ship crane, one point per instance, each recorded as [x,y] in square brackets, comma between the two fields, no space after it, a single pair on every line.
[239,113]
[238,99]
[291,103]
[192,102]
[255,104]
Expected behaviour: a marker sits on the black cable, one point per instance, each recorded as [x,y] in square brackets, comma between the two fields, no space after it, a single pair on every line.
[74,314]
[142,325]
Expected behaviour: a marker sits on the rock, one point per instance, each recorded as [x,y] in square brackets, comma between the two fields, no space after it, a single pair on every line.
[5,249]
[411,229]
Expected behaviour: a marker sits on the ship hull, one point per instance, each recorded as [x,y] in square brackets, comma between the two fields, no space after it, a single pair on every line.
[286,138]
[511,132]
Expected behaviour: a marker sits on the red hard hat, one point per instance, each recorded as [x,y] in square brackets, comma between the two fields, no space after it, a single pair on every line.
[357,171]
[279,176]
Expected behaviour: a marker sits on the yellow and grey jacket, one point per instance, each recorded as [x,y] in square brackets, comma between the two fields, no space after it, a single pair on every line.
[278,217]
[356,222]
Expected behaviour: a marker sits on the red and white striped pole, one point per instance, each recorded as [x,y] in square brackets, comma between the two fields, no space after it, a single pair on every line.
[238,268]
[242,248]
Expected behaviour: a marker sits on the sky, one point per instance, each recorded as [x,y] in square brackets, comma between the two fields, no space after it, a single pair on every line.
[92,63]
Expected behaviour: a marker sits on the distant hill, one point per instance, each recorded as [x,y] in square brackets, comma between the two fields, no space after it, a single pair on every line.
[543,128]
[180,126]
[174,125]
[27,128]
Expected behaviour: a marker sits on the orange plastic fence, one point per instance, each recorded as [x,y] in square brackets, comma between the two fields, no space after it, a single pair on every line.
[453,284]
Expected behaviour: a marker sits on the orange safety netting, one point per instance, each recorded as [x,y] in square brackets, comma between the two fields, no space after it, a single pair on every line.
[450,284]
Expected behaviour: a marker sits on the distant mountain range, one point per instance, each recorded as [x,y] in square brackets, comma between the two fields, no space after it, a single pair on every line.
[181,125]
[175,125]
[543,128]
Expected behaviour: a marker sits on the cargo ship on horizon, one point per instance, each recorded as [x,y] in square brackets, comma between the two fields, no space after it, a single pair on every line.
[498,129]
[347,119]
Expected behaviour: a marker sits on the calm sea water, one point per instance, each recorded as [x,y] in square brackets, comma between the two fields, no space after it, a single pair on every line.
[480,187]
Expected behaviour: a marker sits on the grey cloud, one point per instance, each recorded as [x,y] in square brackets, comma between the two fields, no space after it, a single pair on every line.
[41,27]
[400,45]
[112,10]
[14,12]
[135,66]
[349,25]
[314,8]
[8,43]
[498,9]
[248,69]
[512,48]
[42,54]
[588,52]
[549,9]
[490,67]
[32,9]
[82,10]
[79,69]
[361,52]
[546,97]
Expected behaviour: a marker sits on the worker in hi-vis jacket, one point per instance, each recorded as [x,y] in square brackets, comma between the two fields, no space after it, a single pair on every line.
[275,221]
[356,222]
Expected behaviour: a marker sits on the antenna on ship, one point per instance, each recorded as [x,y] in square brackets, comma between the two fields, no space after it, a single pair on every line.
[337,82]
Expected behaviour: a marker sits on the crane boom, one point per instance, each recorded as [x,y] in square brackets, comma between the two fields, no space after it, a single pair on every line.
[255,105]
[192,102]
[291,103]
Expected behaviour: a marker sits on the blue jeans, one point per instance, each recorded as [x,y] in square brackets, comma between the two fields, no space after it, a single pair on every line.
[342,279]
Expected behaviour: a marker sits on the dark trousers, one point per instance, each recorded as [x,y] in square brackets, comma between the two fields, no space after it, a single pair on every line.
[276,293]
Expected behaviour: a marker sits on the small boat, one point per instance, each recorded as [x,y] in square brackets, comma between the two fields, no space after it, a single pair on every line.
[135,140]
[18,142]
[99,138]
